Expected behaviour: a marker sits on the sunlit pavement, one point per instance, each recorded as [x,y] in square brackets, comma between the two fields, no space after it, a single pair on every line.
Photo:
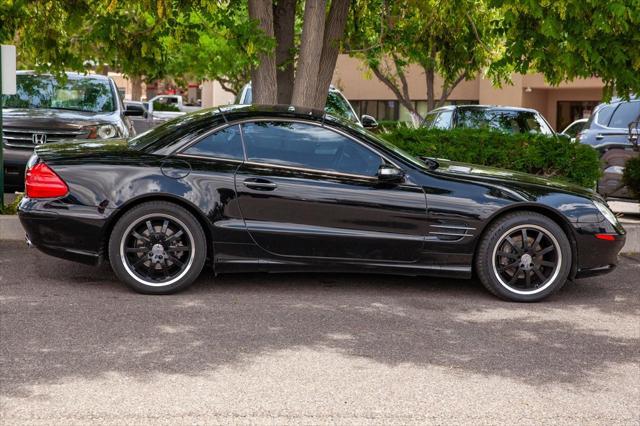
[79,348]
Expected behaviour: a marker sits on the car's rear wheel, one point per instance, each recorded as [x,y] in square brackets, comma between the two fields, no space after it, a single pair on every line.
[524,257]
[157,248]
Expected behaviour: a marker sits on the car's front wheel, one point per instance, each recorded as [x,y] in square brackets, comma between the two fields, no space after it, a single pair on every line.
[157,248]
[524,257]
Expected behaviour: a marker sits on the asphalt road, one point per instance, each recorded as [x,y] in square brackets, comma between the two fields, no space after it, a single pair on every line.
[79,348]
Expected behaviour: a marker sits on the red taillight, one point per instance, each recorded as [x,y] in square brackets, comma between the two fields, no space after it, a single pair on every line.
[42,182]
[606,237]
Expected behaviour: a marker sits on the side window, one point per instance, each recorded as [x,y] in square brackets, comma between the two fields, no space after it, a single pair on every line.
[625,114]
[225,143]
[307,146]
[443,120]
[604,114]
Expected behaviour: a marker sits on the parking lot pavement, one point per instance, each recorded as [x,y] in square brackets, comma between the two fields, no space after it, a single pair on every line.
[79,348]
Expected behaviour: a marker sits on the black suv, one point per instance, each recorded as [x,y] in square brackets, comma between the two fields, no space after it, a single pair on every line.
[500,118]
[608,130]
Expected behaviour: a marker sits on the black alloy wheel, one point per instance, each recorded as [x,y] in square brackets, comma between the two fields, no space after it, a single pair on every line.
[157,248]
[523,257]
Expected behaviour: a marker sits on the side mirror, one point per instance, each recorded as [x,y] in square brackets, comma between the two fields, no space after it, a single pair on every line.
[387,173]
[368,122]
[133,110]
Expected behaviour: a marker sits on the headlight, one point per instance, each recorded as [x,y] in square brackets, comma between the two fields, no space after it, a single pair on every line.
[102,131]
[606,212]
[107,131]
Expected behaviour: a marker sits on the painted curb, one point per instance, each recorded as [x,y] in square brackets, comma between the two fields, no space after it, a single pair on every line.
[11,230]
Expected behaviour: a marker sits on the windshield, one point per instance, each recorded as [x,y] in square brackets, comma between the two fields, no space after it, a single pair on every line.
[339,106]
[336,105]
[76,94]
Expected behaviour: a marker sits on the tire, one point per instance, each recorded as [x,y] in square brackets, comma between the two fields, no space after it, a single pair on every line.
[148,252]
[520,272]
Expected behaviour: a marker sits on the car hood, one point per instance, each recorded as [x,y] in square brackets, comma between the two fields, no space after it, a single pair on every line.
[43,118]
[509,177]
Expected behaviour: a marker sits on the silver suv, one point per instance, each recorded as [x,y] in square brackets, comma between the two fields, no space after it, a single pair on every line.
[46,109]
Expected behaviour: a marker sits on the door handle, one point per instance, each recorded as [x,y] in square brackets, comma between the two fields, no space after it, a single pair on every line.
[599,136]
[259,184]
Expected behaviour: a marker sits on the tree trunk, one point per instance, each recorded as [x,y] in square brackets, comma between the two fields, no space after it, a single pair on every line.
[306,80]
[333,33]
[284,16]
[431,101]
[401,94]
[263,77]
[448,88]
[136,87]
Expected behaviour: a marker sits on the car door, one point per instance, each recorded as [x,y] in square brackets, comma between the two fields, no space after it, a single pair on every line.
[306,190]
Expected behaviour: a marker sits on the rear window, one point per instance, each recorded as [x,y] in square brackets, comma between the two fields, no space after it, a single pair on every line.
[625,114]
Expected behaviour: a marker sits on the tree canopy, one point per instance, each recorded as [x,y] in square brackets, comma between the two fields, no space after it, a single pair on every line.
[567,39]
[289,47]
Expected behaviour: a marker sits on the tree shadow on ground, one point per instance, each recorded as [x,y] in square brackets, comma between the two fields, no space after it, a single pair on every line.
[62,321]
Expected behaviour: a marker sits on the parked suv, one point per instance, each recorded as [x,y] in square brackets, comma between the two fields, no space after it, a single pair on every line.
[47,109]
[337,105]
[608,131]
[501,118]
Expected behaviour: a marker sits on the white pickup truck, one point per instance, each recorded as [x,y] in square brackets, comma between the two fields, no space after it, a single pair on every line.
[146,115]
[170,102]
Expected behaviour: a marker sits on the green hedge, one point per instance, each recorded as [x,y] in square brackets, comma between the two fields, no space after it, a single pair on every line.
[536,154]
[631,176]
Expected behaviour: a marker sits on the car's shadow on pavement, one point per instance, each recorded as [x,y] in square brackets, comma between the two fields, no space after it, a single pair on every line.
[62,321]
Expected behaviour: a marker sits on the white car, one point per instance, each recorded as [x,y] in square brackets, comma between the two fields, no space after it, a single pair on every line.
[337,105]
[574,128]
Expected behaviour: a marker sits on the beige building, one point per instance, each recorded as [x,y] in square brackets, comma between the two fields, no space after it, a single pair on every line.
[560,105]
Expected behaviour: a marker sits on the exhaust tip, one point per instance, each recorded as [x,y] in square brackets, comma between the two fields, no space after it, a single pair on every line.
[28,241]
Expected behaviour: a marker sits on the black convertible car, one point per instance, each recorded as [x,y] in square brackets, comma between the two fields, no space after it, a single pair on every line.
[277,188]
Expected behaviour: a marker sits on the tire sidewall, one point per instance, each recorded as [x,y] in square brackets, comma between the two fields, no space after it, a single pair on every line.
[484,264]
[159,208]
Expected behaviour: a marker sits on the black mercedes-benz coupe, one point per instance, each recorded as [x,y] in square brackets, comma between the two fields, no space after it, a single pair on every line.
[277,188]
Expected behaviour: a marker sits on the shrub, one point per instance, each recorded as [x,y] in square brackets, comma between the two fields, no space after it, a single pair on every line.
[13,207]
[631,176]
[530,153]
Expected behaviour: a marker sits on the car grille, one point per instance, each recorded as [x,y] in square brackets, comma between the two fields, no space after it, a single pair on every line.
[24,138]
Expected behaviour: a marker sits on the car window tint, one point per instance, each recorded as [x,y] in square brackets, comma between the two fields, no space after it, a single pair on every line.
[443,120]
[225,143]
[307,146]
[625,114]
[604,114]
